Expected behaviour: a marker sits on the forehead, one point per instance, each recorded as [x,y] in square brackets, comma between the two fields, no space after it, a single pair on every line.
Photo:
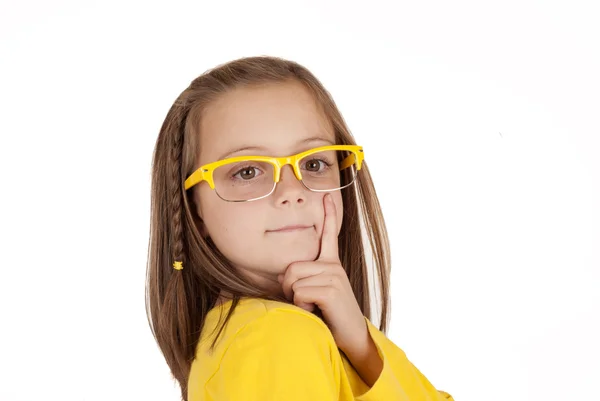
[274,119]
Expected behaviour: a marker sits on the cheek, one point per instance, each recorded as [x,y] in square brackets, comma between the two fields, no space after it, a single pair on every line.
[227,220]
[232,227]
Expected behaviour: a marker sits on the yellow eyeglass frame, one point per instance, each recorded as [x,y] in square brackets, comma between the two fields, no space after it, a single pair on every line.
[205,173]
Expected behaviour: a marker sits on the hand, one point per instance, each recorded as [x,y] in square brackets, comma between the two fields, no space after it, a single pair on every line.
[323,283]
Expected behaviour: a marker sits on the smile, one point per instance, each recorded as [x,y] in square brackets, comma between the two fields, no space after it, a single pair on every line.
[290,229]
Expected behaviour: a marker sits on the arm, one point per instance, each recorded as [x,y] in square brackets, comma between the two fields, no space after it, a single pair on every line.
[280,356]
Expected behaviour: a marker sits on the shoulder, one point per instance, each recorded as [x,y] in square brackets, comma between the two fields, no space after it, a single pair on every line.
[278,322]
[258,320]
[282,337]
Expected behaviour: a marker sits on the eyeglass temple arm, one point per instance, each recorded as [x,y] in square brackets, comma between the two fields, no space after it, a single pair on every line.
[347,162]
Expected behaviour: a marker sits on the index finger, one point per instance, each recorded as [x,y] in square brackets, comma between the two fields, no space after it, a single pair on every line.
[329,237]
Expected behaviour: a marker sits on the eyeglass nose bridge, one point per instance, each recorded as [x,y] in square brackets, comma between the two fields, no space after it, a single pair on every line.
[280,162]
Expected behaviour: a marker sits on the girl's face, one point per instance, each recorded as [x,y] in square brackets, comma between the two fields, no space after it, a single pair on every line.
[278,119]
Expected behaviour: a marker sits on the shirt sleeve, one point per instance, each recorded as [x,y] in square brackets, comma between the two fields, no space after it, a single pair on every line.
[399,379]
[284,355]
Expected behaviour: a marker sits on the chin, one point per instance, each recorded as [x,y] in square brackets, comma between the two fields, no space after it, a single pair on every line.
[282,257]
[300,255]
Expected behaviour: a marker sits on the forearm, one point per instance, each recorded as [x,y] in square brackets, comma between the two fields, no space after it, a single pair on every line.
[366,360]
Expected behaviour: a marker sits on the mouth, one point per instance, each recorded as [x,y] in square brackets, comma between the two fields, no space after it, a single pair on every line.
[291,229]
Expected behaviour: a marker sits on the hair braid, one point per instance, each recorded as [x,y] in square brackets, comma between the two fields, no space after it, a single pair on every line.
[176,323]
[176,194]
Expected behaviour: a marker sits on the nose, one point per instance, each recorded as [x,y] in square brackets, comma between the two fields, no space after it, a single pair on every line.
[289,190]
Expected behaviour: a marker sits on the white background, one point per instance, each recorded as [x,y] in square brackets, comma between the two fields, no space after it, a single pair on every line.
[491,189]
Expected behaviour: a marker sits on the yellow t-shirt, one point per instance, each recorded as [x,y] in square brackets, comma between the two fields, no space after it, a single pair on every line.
[275,351]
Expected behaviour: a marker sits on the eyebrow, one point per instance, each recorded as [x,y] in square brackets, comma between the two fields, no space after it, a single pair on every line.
[312,139]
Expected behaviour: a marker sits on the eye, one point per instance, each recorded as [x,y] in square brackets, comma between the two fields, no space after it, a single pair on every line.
[247,173]
[315,165]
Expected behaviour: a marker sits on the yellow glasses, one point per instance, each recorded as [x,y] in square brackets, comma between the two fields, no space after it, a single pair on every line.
[248,178]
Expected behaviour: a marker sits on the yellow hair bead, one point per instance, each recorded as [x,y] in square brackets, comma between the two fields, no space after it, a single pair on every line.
[178,265]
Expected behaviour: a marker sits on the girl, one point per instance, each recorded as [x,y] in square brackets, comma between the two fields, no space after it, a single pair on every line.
[257,285]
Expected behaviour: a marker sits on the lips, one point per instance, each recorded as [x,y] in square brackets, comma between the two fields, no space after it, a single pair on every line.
[290,228]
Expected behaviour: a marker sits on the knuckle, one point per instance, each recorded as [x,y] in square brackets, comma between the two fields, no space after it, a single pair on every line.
[294,268]
[299,297]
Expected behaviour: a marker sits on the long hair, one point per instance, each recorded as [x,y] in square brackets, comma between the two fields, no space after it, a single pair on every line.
[177,302]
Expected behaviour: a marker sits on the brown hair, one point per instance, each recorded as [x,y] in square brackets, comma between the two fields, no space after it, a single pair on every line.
[177,301]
